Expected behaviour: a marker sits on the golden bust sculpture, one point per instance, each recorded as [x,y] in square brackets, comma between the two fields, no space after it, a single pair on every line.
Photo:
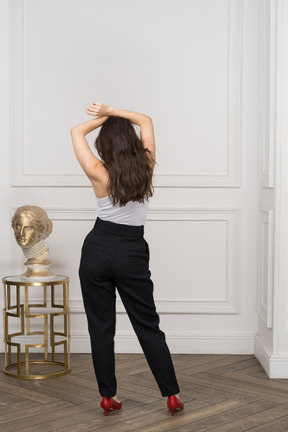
[31,227]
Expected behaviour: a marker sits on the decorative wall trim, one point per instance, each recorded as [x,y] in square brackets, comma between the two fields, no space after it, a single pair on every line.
[267,91]
[230,215]
[179,343]
[275,365]
[230,305]
[266,267]
[229,178]
[262,352]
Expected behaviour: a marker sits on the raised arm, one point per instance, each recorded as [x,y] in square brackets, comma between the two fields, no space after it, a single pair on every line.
[86,158]
[143,121]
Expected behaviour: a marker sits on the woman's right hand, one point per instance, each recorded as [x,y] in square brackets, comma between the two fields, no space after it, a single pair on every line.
[99,109]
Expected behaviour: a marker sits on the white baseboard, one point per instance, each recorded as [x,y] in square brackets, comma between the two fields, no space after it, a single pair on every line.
[262,352]
[275,365]
[179,343]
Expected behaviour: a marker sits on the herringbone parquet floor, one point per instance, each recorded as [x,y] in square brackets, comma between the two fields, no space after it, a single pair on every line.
[222,393]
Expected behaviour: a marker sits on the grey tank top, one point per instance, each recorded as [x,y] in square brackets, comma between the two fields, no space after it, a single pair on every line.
[133,213]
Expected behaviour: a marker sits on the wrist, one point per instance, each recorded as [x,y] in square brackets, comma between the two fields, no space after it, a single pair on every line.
[111,111]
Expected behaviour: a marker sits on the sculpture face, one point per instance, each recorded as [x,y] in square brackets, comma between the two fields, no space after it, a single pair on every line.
[31,227]
[25,232]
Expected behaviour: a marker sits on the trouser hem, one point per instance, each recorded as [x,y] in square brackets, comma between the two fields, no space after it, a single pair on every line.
[167,394]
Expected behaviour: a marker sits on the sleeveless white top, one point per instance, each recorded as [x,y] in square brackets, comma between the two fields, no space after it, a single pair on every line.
[133,213]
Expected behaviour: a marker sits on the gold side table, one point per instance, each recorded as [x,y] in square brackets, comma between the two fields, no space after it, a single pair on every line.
[17,307]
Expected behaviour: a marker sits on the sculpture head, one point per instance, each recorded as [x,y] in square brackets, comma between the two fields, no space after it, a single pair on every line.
[31,225]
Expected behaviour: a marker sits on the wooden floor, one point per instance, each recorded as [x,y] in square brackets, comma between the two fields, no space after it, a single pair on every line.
[221,393]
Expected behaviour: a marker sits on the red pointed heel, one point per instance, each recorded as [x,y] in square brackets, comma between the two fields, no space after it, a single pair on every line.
[174,403]
[110,403]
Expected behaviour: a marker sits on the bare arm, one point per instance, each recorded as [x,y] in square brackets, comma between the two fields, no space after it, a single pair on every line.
[143,121]
[86,158]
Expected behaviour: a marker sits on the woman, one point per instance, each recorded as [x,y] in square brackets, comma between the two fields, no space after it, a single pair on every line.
[115,253]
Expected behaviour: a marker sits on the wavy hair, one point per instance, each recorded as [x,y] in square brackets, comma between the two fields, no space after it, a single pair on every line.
[126,160]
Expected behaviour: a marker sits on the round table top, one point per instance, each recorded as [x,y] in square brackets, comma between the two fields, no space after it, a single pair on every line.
[17,280]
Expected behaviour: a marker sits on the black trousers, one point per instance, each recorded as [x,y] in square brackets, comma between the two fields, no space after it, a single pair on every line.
[117,255]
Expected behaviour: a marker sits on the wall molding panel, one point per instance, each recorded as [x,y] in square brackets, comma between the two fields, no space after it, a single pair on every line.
[228,178]
[179,343]
[267,91]
[266,271]
[231,217]
[186,343]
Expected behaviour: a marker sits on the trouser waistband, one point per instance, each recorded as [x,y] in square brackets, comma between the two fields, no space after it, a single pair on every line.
[119,229]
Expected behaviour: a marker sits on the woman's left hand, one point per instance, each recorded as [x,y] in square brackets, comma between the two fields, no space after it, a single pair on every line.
[99,109]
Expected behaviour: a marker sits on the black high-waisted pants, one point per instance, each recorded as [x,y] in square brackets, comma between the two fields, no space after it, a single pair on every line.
[117,255]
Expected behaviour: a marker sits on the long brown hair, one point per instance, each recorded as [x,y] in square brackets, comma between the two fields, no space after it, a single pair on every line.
[127,161]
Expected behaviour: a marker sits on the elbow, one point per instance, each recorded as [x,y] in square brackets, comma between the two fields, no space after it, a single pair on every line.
[74,131]
[148,120]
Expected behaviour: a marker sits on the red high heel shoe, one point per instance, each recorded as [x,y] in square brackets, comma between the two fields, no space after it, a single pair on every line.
[110,403]
[174,403]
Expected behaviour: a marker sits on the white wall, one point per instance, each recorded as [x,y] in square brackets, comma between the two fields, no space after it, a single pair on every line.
[193,67]
[271,340]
